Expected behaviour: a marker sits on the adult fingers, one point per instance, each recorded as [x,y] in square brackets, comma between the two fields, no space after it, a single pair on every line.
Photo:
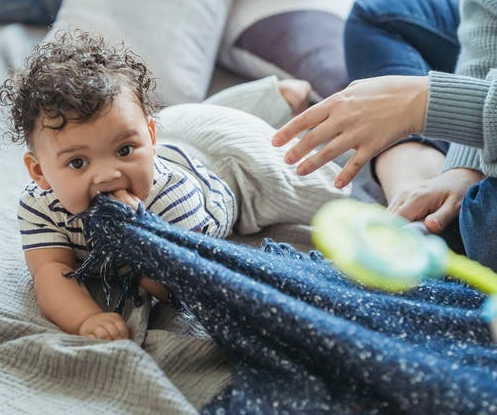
[351,168]
[410,207]
[319,135]
[438,220]
[324,155]
[309,118]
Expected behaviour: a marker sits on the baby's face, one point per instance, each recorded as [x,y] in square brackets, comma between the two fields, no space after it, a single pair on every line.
[114,151]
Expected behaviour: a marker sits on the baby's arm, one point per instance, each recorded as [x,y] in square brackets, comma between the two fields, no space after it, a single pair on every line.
[66,302]
[153,287]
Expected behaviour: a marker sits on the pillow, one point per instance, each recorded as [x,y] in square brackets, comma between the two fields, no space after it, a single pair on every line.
[288,38]
[178,40]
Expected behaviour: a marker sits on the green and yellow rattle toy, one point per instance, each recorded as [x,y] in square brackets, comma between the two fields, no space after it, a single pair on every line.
[376,248]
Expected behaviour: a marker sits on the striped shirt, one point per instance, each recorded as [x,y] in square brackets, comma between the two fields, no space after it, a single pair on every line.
[184,193]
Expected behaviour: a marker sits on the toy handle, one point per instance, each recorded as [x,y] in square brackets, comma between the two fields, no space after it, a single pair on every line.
[472,272]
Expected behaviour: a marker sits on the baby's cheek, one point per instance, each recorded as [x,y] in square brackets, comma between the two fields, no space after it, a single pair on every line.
[75,200]
[144,187]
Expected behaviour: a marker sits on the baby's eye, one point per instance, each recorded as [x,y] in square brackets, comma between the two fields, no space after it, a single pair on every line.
[126,150]
[77,163]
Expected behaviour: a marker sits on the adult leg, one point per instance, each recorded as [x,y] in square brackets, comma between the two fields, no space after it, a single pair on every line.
[36,12]
[478,222]
[391,37]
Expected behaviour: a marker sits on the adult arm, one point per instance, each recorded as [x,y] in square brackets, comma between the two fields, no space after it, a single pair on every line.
[461,108]
[371,115]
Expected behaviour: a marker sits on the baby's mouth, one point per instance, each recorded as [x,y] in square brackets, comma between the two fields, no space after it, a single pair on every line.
[108,190]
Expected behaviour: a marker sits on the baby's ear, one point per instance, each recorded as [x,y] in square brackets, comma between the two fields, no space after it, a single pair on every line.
[34,170]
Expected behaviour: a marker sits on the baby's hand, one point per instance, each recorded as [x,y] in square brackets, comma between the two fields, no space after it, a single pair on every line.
[155,288]
[105,325]
[126,197]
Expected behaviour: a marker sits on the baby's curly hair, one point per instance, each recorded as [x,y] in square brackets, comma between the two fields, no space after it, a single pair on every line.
[71,78]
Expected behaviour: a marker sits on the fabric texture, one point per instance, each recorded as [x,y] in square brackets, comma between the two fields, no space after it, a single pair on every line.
[478,221]
[37,12]
[176,370]
[305,340]
[180,47]
[47,372]
[261,98]
[296,39]
[462,108]
[385,37]
[226,184]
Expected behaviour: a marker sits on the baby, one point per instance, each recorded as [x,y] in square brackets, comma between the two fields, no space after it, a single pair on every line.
[83,109]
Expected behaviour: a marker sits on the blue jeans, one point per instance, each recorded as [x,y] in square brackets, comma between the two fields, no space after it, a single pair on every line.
[401,37]
[36,12]
[478,222]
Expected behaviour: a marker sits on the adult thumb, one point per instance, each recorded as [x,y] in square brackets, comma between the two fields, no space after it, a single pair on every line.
[437,221]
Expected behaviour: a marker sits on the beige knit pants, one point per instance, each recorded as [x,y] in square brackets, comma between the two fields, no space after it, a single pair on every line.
[234,141]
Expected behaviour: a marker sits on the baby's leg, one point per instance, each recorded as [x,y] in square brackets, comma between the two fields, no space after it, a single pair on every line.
[237,147]
[272,100]
[296,93]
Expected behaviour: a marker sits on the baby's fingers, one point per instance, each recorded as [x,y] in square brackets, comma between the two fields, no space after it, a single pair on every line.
[105,326]
[116,326]
[116,331]
[126,197]
[121,330]
[100,332]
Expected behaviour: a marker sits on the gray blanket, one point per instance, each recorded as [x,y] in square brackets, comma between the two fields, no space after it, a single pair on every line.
[173,370]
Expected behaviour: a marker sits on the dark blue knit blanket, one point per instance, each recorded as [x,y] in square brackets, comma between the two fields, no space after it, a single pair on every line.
[305,340]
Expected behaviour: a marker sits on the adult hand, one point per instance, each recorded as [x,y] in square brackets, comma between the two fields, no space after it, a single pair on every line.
[436,201]
[369,116]
[105,325]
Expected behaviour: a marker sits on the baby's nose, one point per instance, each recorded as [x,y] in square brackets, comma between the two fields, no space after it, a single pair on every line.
[106,175]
